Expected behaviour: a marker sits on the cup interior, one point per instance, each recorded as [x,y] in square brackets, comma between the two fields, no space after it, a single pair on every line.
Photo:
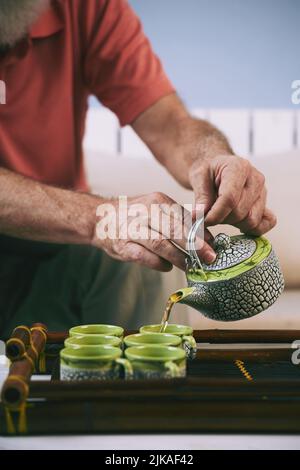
[110,330]
[92,340]
[172,329]
[91,353]
[152,338]
[154,353]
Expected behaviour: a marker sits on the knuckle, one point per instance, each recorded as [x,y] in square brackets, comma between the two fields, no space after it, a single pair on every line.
[260,178]
[273,221]
[231,200]
[137,255]
[171,231]
[252,221]
[124,250]
[239,215]
[245,162]
[158,245]
[117,248]
[159,197]
[246,165]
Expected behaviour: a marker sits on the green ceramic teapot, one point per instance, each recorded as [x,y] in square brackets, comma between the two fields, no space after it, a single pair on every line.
[244,280]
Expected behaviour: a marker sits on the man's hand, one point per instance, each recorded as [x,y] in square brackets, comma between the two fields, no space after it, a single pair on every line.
[232,192]
[199,156]
[144,235]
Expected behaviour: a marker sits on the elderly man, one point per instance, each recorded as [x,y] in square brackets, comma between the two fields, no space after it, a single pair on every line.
[53,267]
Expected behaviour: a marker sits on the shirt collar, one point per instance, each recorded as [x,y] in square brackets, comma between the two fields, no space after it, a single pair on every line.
[49,23]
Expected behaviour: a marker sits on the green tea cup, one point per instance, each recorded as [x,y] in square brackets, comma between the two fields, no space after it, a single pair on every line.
[156,362]
[93,340]
[161,339]
[94,363]
[184,332]
[110,330]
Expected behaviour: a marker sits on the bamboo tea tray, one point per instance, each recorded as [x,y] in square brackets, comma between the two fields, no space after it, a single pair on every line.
[231,386]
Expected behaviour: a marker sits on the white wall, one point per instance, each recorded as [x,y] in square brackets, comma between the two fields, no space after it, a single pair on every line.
[259,132]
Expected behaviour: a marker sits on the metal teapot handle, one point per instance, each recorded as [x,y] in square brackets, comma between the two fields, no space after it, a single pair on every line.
[191,248]
[191,253]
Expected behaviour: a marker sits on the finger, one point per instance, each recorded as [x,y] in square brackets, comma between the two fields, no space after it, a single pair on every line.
[176,228]
[267,223]
[202,183]
[254,194]
[202,242]
[204,247]
[206,253]
[139,254]
[233,180]
[164,249]
[254,216]
[208,237]
[174,223]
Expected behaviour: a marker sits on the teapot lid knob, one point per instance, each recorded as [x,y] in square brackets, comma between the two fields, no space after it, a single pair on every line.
[222,242]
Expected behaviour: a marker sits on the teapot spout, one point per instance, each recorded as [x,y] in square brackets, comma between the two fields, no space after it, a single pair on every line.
[180,295]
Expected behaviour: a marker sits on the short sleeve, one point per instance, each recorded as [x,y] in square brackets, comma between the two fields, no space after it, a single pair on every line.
[120,67]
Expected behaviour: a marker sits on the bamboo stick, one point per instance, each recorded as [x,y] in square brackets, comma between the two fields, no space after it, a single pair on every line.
[57,337]
[18,343]
[15,389]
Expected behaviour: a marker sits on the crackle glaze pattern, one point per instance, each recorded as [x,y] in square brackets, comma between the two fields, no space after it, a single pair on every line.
[158,373]
[76,373]
[230,253]
[241,297]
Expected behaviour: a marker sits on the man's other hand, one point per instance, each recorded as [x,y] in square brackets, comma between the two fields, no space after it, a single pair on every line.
[153,246]
[232,192]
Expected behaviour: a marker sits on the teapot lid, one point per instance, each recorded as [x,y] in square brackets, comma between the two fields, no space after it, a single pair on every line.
[230,251]
[235,255]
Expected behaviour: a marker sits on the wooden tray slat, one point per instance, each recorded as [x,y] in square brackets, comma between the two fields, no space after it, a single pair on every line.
[215,397]
[219,336]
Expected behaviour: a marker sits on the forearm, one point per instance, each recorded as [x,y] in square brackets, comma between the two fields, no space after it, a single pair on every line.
[39,212]
[196,139]
[177,139]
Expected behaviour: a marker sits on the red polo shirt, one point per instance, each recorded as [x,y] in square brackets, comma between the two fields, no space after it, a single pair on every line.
[76,48]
